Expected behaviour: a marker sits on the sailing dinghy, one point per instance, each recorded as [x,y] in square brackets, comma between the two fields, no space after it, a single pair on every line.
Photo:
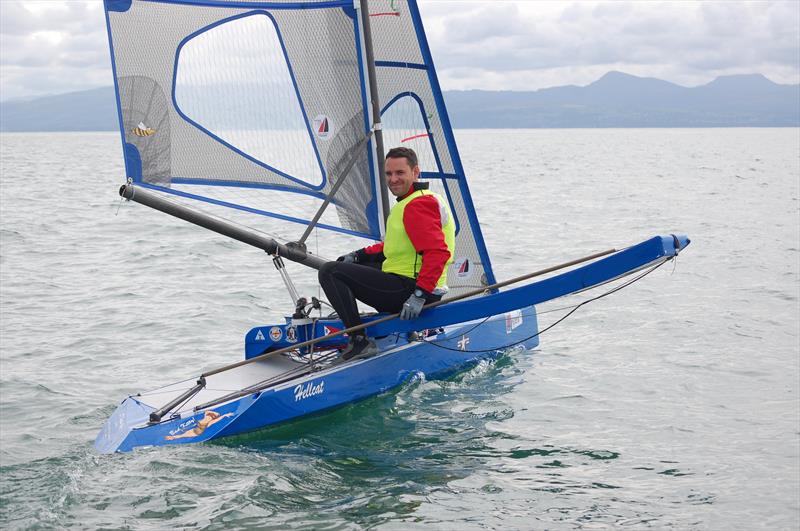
[235,111]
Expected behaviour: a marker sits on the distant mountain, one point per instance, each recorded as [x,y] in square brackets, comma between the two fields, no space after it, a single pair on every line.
[87,110]
[614,100]
[622,100]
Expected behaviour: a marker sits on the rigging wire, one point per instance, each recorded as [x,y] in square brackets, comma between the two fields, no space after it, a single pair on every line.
[573,310]
[312,365]
[179,407]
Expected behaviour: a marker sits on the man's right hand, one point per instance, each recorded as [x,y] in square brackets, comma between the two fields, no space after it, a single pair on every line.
[349,258]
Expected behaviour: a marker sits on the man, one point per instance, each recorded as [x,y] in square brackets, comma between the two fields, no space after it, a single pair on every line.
[405,271]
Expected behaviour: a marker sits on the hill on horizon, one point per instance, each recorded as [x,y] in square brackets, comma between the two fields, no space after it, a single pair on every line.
[615,100]
[622,100]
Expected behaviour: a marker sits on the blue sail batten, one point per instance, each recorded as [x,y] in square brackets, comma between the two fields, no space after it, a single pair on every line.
[256,211]
[451,142]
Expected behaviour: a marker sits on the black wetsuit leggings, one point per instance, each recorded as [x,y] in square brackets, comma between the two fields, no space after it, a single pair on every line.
[344,283]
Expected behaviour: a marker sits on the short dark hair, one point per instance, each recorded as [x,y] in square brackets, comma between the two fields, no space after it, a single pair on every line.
[404,153]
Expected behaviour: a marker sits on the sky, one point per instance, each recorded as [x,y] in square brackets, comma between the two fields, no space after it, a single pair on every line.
[57,46]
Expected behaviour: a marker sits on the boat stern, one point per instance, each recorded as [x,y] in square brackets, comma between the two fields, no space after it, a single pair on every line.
[130,414]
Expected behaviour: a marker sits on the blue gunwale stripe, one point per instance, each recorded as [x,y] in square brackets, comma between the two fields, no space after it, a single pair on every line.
[590,275]
[258,5]
[399,64]
[253,210]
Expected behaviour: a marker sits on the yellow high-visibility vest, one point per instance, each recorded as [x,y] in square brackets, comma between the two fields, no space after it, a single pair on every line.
[401,257]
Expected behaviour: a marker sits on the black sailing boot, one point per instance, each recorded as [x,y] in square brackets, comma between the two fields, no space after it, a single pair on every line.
[359,348]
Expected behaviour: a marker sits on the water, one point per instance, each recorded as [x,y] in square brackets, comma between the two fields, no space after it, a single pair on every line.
[673,403]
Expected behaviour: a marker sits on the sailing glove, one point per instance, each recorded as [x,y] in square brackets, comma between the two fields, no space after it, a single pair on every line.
[413,306]
[349,258]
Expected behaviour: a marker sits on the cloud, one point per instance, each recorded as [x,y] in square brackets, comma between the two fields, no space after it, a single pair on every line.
[532,45]
[51,46]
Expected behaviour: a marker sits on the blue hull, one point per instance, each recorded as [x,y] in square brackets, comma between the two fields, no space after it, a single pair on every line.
[435,357]
[476,328]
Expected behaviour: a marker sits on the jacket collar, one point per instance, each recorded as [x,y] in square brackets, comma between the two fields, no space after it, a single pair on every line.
[415,186]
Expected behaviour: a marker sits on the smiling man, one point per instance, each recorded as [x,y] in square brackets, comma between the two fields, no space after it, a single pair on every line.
[405,271]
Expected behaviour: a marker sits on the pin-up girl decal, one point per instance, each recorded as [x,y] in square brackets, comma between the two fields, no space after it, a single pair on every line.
[209,418]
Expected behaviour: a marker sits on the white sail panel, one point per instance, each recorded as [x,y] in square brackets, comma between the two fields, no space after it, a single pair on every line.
[405,124]
[222,77]
[320,51]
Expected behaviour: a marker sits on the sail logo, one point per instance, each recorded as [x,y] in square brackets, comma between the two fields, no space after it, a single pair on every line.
[328,330]
[513,320]
[260,336]
[463,268]
[143,130]
[301,392]
[275,333]
[322,126]
[291,334]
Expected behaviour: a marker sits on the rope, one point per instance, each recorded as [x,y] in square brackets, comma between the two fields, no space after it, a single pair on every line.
[156,416]
[573,310]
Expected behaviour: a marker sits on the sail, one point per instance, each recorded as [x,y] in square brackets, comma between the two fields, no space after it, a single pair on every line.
[414,115]
[256,107]
[221,101]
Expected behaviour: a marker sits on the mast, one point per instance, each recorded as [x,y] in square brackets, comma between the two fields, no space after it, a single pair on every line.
[376,107]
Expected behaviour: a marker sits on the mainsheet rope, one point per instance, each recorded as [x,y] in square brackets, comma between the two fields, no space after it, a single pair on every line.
[157,415]
[300,371]
[549,327]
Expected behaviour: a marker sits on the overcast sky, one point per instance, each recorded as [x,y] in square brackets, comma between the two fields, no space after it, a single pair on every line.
[50,46]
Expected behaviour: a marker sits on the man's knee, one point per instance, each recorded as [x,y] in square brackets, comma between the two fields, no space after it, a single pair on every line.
[326,270]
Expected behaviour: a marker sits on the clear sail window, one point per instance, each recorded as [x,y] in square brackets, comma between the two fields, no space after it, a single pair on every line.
[233,81]
[405,125]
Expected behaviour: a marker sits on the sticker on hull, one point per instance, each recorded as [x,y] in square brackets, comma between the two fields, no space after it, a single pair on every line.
[513,320]
[195,426]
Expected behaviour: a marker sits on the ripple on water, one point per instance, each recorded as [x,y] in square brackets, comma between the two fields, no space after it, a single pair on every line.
[670,405]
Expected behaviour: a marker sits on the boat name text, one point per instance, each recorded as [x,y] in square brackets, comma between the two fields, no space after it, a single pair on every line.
[302,392]
[183,426]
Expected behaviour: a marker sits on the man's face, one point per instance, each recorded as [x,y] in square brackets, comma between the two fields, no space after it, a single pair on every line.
[400,176]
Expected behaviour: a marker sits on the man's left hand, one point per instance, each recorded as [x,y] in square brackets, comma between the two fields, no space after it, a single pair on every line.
[349,258]
[413,306]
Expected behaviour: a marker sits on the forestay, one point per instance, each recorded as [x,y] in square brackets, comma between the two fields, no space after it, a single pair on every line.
[255,108]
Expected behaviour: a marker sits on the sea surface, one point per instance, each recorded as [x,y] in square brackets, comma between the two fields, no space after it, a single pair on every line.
[673,403]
